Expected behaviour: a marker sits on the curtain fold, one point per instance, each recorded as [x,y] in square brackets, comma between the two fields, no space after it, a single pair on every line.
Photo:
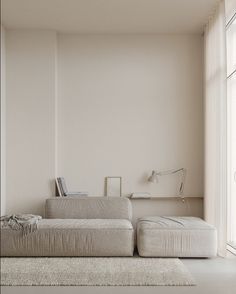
[215,198]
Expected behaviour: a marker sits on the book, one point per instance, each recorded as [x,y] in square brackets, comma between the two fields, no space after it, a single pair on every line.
[58,189]
[74,194]
[144,195]
[62,189]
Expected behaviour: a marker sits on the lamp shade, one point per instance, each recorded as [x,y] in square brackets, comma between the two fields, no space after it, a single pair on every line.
[154,177]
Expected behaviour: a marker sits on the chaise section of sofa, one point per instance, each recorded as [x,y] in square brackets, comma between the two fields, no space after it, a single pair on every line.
[91,226]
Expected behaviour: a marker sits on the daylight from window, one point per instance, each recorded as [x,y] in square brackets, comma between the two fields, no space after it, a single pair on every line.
[231,126]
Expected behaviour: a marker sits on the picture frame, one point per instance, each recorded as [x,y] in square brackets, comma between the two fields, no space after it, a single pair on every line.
[113,186]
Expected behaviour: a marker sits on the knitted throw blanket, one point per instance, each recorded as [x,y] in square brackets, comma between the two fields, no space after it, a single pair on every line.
[27,223]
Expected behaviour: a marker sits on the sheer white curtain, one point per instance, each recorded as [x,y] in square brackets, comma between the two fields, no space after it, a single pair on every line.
[231,122]
[215,200]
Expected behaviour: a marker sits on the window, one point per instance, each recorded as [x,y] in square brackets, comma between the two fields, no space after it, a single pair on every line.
[231,132]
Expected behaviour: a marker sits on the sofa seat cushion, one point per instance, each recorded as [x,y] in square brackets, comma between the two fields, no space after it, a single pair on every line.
[71,237]
[161,236]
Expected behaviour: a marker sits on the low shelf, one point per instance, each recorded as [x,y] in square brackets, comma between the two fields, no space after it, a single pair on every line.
[165,198]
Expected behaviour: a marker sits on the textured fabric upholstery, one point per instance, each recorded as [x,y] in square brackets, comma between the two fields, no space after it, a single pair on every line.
[176,237]
[71,237]
[89,208]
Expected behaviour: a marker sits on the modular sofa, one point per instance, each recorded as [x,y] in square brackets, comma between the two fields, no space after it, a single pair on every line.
[90,226]
[101,226]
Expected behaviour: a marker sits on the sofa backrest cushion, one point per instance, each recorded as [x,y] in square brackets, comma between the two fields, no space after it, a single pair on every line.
[88,207]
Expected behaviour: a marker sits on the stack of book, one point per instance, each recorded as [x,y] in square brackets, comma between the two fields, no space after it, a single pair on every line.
[62,189]
[140,195]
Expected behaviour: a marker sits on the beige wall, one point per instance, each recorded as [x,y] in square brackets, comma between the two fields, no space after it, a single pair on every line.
[3,121]
[127,105]
[230,9]
[105,105]
[30,119]
[167,206]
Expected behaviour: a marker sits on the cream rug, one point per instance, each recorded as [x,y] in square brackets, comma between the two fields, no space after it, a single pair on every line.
[90,271]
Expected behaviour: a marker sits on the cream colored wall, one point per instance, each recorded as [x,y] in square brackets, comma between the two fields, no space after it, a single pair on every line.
[167,206]
[105,105]
[3,121]
[129,104]
[230,9]
[30,119]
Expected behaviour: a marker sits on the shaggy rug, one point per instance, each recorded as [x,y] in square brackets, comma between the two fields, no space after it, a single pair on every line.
[90,271]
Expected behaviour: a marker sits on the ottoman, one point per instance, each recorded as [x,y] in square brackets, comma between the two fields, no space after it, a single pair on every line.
[160,236]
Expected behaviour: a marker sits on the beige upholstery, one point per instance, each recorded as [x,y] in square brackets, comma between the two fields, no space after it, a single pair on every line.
[71,237]
[176,237]
[91,226]
[89,208]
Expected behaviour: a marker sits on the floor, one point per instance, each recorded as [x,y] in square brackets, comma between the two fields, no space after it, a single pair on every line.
[213,276]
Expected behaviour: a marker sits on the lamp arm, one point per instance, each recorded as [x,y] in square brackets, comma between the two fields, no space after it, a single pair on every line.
[169,172]
[181,188]
[174,171]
